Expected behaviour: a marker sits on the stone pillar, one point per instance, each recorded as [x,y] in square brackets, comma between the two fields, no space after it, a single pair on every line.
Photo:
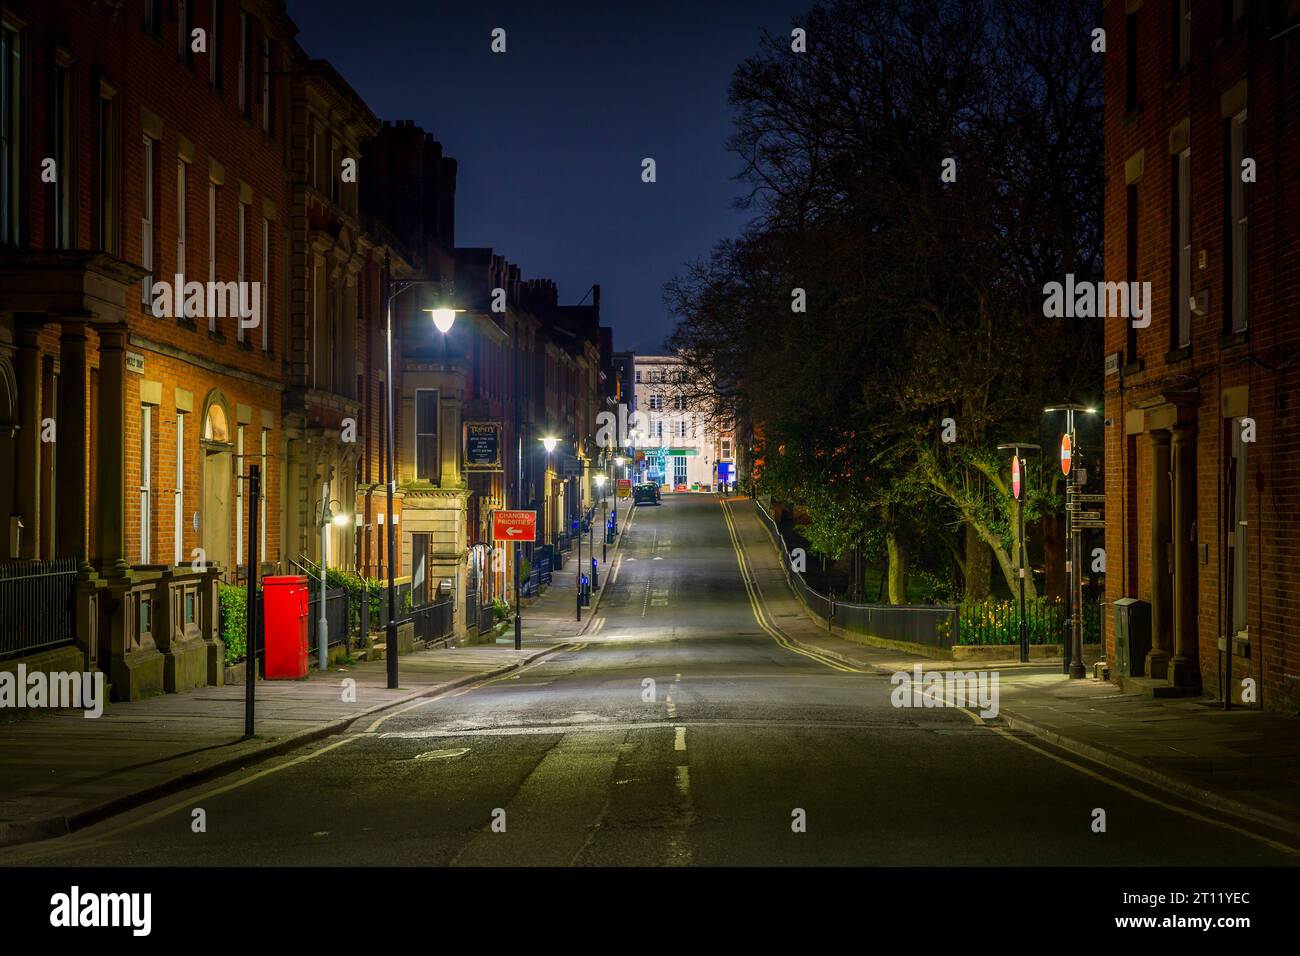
[449,427]
[27,494]
[71,456]
[110,451]
[1184,667]
[1162,646]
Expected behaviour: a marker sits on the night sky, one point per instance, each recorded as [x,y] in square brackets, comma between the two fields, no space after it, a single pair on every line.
[550,135]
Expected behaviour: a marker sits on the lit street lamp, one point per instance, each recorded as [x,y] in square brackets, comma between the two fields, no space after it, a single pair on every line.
[339,520]
[444,316]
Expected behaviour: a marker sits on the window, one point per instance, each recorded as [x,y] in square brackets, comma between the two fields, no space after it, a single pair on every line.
[1182,30]
[726,449]
[1239,487]
[638,378]
[681,428]
[1183,249]
[216,17]
[146,222]
[1237,224]
[261,501]
[212,231]
[239,495]
[242,246]
[62,130]
[153,17]
[178,495]
[426,435]
[243,62]
[1130,62]
[182,217]
[419,570]
[11,100]
[184,52]
[266,84]
[146,479]
[659,430]
[1131,256]
[656,403]
[106,180]
[266,286]
[679,469]
[680,403]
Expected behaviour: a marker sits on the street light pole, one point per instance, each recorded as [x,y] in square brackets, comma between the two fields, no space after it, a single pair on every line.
[1018,489]
[443,319]
[323,625]
[1074,541]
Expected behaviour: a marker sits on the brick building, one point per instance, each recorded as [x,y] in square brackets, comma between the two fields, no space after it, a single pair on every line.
[1202,128]
[168,152]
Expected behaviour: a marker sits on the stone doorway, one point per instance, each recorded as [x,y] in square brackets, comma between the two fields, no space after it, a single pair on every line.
[217,470]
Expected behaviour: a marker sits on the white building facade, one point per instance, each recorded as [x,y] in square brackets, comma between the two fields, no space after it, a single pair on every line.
[681,442]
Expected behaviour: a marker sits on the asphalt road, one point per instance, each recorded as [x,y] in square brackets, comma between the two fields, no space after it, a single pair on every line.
[584,763]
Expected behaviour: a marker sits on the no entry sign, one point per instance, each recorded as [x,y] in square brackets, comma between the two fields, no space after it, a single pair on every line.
[1015,477]
[514,526]
[1065,453]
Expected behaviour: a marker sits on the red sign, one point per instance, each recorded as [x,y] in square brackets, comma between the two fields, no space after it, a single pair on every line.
[514,526]
[1015,477]
[1065,453]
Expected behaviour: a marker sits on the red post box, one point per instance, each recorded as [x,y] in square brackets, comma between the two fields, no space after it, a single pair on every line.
[284,609]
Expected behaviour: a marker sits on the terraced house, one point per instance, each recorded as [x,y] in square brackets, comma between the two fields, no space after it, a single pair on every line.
[201,230]
[1202,122]
[143,142]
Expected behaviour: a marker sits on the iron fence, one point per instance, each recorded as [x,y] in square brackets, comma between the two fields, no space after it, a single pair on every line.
[433,622]
[337,616]
[471,608]
[36,605]
[1047,621]
[487,618]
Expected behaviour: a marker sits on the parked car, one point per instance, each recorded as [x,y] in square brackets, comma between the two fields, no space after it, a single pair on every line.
[647,494]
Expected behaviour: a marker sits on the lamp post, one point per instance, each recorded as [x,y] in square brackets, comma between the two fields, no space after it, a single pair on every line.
[1018,490]
[549,443]
[444,316]
[327,518]
[604,517]
[1072,659]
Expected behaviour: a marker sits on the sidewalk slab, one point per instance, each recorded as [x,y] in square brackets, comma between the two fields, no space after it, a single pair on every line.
[63,771]
[1243,761]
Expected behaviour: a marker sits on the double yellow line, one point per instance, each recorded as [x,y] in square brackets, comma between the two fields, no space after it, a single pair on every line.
[760,609]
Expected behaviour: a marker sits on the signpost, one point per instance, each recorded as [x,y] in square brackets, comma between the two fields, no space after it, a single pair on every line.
[514,526]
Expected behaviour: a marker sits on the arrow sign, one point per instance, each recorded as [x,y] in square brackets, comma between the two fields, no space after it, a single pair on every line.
[514,525]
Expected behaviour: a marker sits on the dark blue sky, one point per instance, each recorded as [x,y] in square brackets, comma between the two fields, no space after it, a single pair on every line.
[551,134]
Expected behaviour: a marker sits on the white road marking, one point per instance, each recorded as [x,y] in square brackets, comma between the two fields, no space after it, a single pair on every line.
[680,742]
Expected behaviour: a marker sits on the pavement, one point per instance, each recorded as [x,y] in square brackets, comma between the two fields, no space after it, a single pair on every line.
[698,717]
[63,772]
[1241,761]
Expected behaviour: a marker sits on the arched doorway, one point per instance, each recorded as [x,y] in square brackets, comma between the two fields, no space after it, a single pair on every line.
[217,467]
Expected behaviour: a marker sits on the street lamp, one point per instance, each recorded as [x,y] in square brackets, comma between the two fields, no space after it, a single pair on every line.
[339,520]
[1070,459]
[1018,490]
[549,443]
[604,517]
[444,315]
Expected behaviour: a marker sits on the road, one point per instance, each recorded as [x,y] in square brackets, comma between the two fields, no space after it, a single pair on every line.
[578,759]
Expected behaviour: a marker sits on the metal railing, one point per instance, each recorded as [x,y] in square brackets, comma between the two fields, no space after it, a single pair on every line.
[37,611]
[433,622]
[471,608]
[933,626]
[487,618]
[338,611]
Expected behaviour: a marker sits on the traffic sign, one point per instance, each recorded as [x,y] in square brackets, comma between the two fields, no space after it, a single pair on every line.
[1015,477]
[624,488]
[1089,524]
[1087,516]
[514,525]
[1096,499]
[1065,453]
